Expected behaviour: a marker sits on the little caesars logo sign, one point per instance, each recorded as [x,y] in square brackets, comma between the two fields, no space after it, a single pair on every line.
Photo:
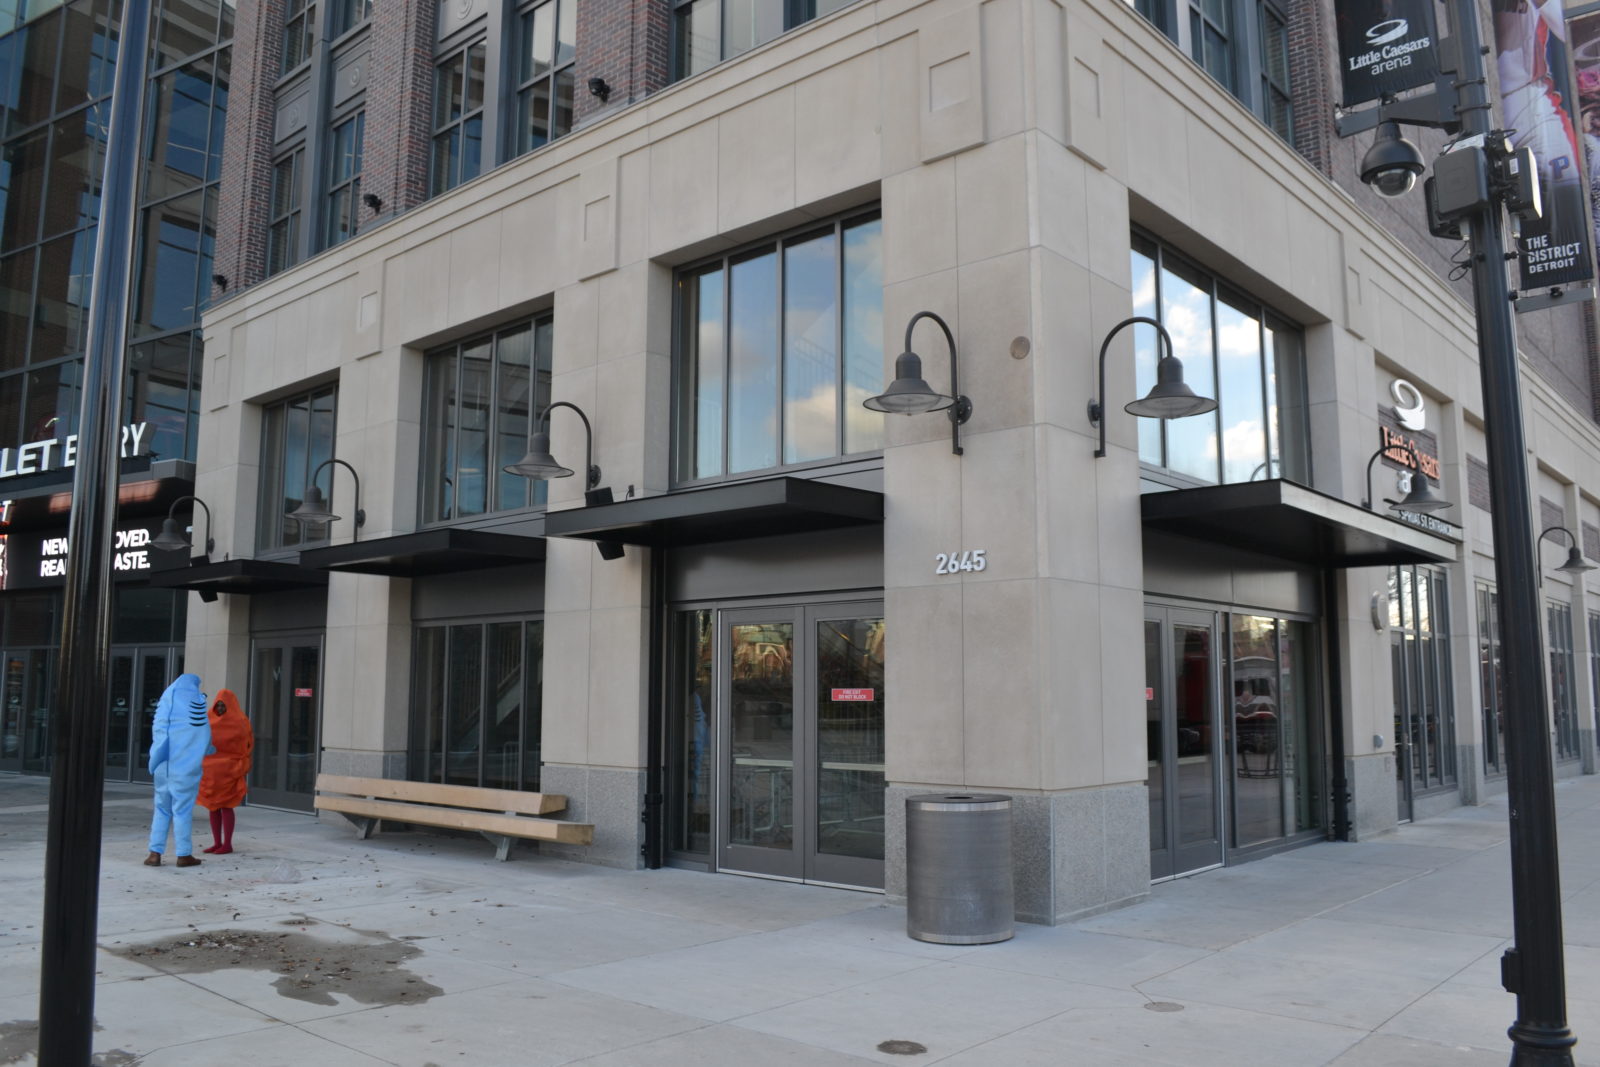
[1385,46]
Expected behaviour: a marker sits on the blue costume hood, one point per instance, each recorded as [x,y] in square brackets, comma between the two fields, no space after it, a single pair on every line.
[181,733]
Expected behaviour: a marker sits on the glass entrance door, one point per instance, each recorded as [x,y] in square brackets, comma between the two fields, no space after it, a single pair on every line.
[801,726]
[26,690]
[284,709]
[1183,738]
[138,678]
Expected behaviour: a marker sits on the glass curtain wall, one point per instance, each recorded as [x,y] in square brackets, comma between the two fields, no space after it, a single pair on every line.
[1277,736]
[476,703]
[1563,683]
[1232,349]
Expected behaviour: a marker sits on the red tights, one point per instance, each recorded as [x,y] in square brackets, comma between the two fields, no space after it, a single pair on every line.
[221,831]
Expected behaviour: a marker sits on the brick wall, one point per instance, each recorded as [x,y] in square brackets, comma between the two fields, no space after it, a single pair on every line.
[1478,483]
[399,104]
[1312,62]
[244,197]
[626,43]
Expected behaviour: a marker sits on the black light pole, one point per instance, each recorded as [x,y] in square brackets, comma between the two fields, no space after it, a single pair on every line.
[72,852]
[1533,969]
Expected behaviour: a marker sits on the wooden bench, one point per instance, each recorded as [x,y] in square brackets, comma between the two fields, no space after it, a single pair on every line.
[498,814]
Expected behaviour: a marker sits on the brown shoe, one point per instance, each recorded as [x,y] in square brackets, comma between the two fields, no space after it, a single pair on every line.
[186,861]
[153,860]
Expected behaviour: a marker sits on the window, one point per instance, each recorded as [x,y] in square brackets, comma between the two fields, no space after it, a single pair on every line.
[1594,667]
[1233,349]
[706,32]
[547,47]
[347,15]
[296,437]
[475,705]
[1277,782]
[1563,698]
[344,180]
[479,397]
[778,346]
[1492,679]
[458,117]
[1424,714]
[299,19]
[283,229]
[1243,44]
[1277,109]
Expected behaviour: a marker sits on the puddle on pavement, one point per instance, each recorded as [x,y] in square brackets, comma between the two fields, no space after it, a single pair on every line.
[19,1041]
[308,969]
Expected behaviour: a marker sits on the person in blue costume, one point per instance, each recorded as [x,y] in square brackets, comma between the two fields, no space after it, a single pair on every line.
[180,741]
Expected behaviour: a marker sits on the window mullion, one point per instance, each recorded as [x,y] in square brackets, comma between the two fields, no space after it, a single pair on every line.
[726,340]
[782,348]
[841,398]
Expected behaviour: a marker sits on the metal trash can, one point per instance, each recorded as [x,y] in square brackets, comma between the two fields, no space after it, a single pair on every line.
[958,868]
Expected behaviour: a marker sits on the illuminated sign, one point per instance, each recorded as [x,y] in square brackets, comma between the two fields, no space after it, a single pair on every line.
[34,561]
[39,457]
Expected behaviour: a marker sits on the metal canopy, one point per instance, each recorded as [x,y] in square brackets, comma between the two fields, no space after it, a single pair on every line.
[241,577]
[722,513]
[442,551]
[1289,521]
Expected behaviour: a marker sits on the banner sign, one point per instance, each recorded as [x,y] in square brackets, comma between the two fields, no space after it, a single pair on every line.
[39,560]
[1584,34]
[1385,47]
[1536,103]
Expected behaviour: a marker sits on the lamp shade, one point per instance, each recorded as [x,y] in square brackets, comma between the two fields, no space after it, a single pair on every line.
[1575,563]
[909,393]
[1170,398]
[538,462]
[313,508]
[1421,497]
[169,539]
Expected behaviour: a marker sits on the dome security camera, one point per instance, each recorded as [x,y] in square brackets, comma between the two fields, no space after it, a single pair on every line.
[1392,164]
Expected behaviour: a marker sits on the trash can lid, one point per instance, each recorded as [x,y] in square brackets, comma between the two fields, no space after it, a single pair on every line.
[958,802]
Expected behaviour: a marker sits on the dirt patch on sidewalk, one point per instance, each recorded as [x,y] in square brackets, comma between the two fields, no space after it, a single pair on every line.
[308,969]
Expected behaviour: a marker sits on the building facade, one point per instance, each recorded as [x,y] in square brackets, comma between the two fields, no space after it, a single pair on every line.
[759,615]
[56,70]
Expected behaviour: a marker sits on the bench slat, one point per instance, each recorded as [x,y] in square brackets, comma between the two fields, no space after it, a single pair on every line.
[566,833]
[455,796]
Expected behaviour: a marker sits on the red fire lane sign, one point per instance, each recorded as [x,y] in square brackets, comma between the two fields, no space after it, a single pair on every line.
[855,694]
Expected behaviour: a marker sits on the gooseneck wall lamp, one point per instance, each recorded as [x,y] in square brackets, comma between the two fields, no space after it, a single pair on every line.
[1420,497]
[315,509]
[1575,563]
[1169,398]
[910,394]
[170,540]
[539,464]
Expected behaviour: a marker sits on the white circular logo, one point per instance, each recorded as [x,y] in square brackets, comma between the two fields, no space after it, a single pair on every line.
[1408,405]
[1388,30]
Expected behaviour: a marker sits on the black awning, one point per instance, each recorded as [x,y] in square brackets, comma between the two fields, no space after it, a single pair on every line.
[722,513]
[443,551]
[1287,521]
[239,576]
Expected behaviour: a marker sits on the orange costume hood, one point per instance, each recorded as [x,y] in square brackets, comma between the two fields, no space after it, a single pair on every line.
[223,784]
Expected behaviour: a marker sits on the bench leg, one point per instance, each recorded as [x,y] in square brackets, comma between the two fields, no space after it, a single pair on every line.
[364,825]
[501,843]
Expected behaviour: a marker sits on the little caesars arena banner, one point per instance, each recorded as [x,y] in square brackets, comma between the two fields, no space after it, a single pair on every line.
[1537,104]
[1385,47]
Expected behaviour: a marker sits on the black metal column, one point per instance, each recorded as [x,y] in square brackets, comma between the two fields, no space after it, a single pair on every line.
[1533,969]
[72,856]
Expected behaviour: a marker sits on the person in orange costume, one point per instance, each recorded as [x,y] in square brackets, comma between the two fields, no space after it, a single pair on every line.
[222,785]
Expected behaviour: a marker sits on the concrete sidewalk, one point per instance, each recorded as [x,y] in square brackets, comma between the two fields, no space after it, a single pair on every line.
[309,948]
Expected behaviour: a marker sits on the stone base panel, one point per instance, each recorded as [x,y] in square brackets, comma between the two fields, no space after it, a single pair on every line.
[610,798]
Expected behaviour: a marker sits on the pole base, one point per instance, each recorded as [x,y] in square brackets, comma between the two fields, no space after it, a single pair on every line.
[1540,1046]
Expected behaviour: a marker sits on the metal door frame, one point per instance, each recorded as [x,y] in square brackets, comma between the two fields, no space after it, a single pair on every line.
[1173,861]
[282,798]
[1404,684]
[802,863]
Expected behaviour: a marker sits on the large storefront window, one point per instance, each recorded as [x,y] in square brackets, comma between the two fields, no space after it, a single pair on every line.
[297,436]
[778,347]
[480,397]
[475,705]
[1492,681]
[1424,713]
[1563,685]
[1233,349]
